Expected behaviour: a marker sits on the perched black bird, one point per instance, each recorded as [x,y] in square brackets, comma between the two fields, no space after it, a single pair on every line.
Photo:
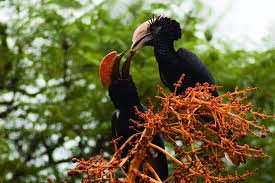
[123,94]
[161,33]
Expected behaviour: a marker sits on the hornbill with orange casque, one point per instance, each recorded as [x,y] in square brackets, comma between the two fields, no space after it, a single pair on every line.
[161,32]
[124,96]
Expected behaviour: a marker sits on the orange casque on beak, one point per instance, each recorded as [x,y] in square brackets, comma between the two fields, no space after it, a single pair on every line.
[106,69]
[109,68]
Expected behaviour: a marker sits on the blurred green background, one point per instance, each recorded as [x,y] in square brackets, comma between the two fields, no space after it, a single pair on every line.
[52,105]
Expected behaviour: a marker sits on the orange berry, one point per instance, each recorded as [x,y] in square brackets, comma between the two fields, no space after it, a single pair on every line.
[243,134]
[71,172]
[74,160]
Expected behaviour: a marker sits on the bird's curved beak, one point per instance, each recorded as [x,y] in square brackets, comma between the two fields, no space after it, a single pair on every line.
[109,68]
[126,67]
[114,72]
[141,36]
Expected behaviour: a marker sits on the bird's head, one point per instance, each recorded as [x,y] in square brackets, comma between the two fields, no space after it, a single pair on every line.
[120,85]
[151,30]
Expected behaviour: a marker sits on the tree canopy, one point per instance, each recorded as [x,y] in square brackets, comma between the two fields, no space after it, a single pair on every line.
[52,105]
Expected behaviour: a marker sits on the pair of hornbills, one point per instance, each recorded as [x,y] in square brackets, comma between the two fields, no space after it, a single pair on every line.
[160,33]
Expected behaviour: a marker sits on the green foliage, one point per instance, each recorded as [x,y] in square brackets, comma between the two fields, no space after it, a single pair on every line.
[52,105]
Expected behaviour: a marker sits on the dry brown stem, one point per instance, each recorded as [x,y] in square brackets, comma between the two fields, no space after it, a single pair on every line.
[198,146]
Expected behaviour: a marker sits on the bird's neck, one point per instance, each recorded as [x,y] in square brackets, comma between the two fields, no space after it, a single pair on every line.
[164,50]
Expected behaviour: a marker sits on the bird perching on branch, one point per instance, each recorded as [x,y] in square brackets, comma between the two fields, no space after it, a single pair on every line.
[161,32]
[124,96]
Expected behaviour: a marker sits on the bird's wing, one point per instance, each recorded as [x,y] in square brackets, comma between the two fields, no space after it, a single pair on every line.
[195,67]
[159,162]
[115,123]
[165,81]
[115,119]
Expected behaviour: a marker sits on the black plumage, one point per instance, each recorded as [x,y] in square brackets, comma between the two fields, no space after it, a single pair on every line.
[161,34]
[124,96]
[172,64]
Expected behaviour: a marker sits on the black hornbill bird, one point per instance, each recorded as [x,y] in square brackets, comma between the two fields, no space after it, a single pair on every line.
[161,33]
[124,96]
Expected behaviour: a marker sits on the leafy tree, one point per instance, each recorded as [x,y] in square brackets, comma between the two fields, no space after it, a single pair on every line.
[52,106]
